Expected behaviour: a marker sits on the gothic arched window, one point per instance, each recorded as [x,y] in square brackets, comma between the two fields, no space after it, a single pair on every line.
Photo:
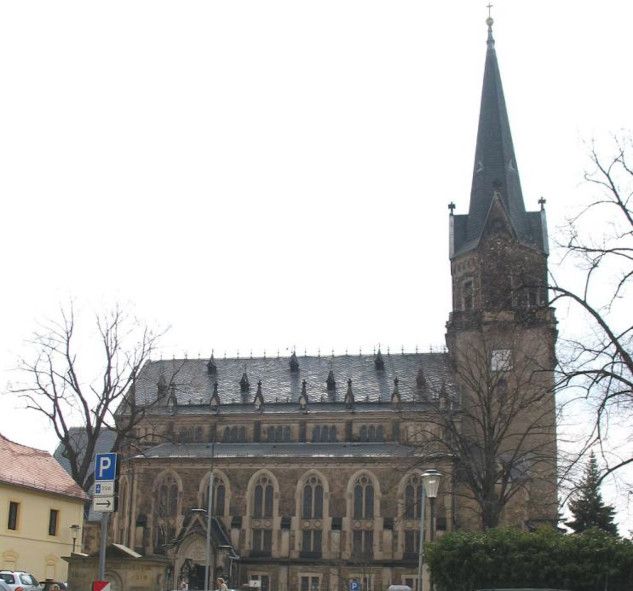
[411,511]
[363,433]
[313,499]
[168,497]
[263,498]
[412,498]
[219,496]
[316,434]
[363,498]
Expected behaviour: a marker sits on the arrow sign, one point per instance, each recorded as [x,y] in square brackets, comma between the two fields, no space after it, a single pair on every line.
[103,504]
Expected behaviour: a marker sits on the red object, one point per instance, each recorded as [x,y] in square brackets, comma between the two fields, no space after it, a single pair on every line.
[100,585]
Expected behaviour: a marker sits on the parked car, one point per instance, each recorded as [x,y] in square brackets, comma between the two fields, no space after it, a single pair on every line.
[4,586]
[19,580]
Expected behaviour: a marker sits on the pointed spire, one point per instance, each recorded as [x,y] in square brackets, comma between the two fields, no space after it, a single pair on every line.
[215,398]
[395,396]
[172,401]
[259,397]
[161,386]
[349,395]
[495,167]
[245,385]
[212,368]
[294,363]
[379,362]
[420,380]
[303,398]
[331,382]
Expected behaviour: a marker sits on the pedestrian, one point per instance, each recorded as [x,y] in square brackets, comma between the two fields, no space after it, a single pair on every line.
[221,585]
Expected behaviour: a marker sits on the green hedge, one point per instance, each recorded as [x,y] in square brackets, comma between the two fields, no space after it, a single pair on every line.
[505,558]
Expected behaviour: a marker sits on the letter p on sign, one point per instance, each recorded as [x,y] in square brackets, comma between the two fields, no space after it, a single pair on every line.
[105,467]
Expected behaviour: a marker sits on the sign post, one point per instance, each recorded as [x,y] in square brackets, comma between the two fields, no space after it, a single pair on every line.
[104,501]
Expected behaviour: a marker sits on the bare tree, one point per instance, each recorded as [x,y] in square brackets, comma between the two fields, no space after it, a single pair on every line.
[74,386]
[500,435]
[598,360]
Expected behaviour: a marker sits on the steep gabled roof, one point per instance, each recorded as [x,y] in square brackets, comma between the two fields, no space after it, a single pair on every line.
[32,468]
[193,386]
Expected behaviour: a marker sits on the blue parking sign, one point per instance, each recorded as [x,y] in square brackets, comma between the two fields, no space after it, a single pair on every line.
[354,585]
[105,467]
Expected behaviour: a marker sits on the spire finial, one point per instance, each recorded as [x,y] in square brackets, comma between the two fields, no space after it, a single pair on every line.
[490,21]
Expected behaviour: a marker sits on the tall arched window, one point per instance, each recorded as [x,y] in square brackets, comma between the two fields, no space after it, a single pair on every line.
[363,433]
[167,509]
[412,498]
[316,434]
[262,509]
[263,498]
[168,497]
[312,508]
[411,511]
[313,499]
[219,496]
[363,498]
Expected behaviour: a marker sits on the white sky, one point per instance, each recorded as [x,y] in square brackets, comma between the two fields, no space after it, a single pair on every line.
[267,174]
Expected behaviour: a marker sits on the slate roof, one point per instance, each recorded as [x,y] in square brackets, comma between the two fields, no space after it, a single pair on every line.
[104,444]
[192,384]
[36,469]
[496,169]
[280,450]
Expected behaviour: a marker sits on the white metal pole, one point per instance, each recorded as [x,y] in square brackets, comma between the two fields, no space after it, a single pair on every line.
[104,543]
[421,549]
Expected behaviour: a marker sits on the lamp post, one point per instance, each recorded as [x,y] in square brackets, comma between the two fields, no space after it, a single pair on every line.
[430,485]
[75,529]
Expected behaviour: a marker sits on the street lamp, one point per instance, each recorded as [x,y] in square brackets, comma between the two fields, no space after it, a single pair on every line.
[207,566]
[209,512]
[75,529]
[430,485]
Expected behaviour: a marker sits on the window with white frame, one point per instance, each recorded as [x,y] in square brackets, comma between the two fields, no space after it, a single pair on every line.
[262,579]
[309,582]
[501,360]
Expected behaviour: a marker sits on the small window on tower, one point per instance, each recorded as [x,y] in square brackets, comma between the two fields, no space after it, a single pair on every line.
[469,296]
[501,360]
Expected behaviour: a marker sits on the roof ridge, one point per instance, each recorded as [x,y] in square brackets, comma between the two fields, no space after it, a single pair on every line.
[43,451]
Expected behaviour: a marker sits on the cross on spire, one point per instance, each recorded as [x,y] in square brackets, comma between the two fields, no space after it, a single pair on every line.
[489,6]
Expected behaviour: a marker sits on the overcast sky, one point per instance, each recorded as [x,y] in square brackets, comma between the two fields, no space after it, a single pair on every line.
[262,175]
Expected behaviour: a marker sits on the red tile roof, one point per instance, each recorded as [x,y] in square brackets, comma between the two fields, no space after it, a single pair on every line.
[34,468]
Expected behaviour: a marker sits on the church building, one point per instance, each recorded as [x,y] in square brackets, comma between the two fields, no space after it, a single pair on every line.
[316,460]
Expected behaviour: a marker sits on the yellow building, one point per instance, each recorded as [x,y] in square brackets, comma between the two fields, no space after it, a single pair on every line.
[41,512]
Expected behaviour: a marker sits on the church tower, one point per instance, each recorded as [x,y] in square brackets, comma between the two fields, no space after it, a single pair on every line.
[501,333]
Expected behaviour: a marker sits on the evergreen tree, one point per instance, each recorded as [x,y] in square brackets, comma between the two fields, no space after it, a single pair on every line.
[587,507]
